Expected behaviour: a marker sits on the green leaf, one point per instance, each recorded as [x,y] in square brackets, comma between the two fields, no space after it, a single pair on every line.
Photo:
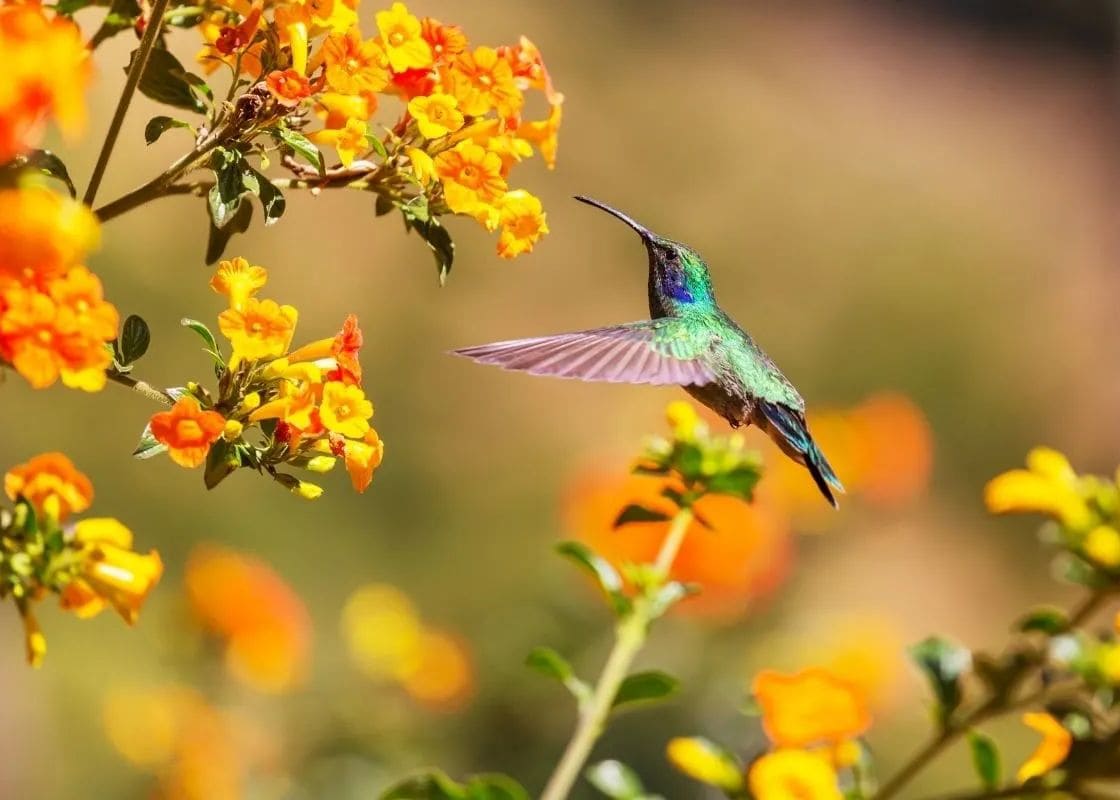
[219,238]
[222,460]
[429,785]
[1044,619]
[157,126]
[551,664]
[301,145]
[201,329]
[599,568]
[47,163]
[615,780]
[495,787]
[134,341]
[639,513]
[69,7]
[225,195]
[164,80]
[943,664]
[418,217]
[669,595]
[272,199]
[985,760]
[646,687]
[199,85]
[148,447]
[383,205]
[378,146]
[738,482]
[122,15]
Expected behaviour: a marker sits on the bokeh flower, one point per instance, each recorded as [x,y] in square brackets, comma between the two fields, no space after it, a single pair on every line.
[43,233]
[793,775]
[187,430]
[702,761]
[809,707]
[1051,751]
[111,573]
[52,484]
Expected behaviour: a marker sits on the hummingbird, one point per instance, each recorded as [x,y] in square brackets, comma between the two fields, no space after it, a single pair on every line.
[689,341]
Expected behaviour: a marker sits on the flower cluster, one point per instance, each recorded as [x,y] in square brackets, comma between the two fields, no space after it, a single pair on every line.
[462,126]
[54,320]
[390,643]
[274,406]
[89,564]
[46,71]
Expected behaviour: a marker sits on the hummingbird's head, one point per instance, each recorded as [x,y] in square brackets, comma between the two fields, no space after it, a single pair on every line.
[676,269]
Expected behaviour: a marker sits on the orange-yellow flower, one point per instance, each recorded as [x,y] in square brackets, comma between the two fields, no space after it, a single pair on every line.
[354,65]
[523,223]
[402,39]
[262,329]
[482,80]
[1052,750]
[43,233]
[363,458]
[52,484]
[111,572]
[289,87]
[336,109]
[238,281]
[436,115]
[544,134]
[343,347]
[188,431]
[446,41]
[263,622]
[793,775]
[809,707]
[471,176]
[345,410]
[349,140]
[700,760]
[80,293]
[441,675]
[1048,485]
[423,165]
[529,70]
[46,71]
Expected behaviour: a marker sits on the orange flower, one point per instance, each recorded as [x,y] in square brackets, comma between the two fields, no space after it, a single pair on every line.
[188,431]
[262,329]
[529,69]
[812,706]
[80,293]
[345,410]
[743,559]
[342,347]
[482,80]
[52,484]
[46,71]
[288,87]
[42,235]
[794,775]
[337,109]
[401,37]
[544,134]
[238,281]
[354,65]
[1051,751]
[446,41]
[363,458]
[263,622]
[523,223]
[471,177]
[441,675]
[111,572]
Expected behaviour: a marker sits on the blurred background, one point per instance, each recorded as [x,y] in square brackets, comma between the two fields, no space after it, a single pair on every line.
[913,208]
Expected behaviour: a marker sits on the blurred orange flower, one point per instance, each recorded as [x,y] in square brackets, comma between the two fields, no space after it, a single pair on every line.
[441,676]
[743,557]
[1051,751]
[812,706]
[263,622]
[111,572]
[188,431]
[43,235]
[52,484]
[46,72]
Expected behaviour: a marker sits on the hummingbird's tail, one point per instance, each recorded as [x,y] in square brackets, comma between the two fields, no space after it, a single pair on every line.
[788,428]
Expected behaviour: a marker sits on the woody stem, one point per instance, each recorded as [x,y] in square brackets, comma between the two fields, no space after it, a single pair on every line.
[142,388]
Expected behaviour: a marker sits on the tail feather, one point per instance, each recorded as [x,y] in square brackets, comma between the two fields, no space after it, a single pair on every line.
[792,434]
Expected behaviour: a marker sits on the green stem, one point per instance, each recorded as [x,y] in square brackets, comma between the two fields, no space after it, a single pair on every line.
[142,388]
[135,71]
[630,635]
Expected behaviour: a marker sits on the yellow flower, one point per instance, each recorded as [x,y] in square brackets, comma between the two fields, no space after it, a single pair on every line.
[809,707]
[684,420]
[111,572]
[483,80]
[354,66]
[1053,749]
[472,180]
[348,140]
[436,115]
[700,760]
[401,37]
[1049,486]
[1102,544]
[523,223]
[308,491]
[363,458]
[382,631]
[423,166]
[544,134]
[345,410]
[440,675]
[233,430]
[238,281]
[793,775]
[262,329]
[35,643]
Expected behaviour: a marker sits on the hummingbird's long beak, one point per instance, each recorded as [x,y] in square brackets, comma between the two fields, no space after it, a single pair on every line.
[643,231]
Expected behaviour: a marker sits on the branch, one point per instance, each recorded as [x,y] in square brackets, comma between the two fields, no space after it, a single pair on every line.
[142,388]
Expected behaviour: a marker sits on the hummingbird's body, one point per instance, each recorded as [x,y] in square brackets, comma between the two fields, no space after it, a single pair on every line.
[689,341]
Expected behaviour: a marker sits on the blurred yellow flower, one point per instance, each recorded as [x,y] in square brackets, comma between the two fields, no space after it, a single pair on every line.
[1102,545]
[238,281]
[793,775]
[111,573]
[1052,750]
[812,706]
[1049,486]
[441,676]
[702,761]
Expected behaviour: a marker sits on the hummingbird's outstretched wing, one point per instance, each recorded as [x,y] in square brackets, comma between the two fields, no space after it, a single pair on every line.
[656,351]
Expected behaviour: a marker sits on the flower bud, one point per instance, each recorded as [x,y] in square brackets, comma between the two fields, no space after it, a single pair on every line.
[321,463]
[232,431]
[251,401]
[308,491]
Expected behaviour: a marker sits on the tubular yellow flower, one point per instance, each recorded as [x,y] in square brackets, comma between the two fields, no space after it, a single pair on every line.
[809,707]
[1052,750]
[262,329]
[436,115]
[523,223]
[793,775]
[238,281]
[402,39]
[348,140]
[111,572]
[702,761]
[544,134]
[345,410]
[1020,490]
